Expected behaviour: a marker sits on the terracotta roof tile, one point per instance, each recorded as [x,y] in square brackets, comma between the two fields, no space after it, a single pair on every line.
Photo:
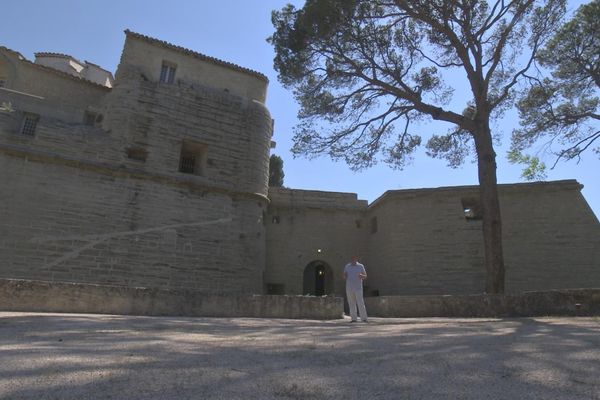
[50,54]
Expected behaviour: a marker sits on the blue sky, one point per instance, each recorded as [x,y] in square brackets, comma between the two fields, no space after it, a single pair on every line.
[236,31]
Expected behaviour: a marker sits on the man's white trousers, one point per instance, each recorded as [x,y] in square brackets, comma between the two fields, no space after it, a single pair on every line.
[355,298]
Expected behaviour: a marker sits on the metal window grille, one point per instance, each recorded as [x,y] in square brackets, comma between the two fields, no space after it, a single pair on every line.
[29,124]
[187,164]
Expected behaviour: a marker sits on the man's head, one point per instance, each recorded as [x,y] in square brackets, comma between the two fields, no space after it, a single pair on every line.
[354,259]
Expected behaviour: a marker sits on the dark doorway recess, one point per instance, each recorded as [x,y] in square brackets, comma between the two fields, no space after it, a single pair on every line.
[318,279]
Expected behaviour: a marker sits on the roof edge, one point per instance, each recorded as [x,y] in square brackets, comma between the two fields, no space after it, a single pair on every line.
[572,183]
[21,58]
[195,54]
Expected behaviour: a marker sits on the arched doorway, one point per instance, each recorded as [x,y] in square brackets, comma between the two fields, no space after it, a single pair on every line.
[318,279]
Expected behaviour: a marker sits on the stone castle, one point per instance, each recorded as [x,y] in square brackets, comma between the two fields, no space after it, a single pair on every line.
[158,178]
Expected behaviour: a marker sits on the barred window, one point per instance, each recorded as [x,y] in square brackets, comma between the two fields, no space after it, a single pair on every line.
[29,124]
[167,72]
[192,159]
[187,164]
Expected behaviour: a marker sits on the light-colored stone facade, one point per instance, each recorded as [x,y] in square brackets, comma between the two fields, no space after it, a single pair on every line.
[159,180]
[429,241]
[103,199]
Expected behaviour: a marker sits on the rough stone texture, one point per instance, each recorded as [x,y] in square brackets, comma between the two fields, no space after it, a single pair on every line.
[28,295]
[302,222]
[575,302]
[418,242]
[111,357]
[79,209]
[105,203]
[19,295]
[425,245]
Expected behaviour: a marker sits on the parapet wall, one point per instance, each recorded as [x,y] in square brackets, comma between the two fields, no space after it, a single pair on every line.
[572,302]
[21,295]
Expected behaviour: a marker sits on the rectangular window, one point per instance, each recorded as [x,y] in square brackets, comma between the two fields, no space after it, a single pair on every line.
[2,81]
[137,153]
[167,72]
[192,158]
[29,124]
[187,164]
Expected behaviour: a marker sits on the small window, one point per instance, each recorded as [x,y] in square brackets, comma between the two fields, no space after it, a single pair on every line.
[373,224]
[471,209]
[2,81]
[358,223]
[137,153]
[167,72]
[29,124]
[193,158]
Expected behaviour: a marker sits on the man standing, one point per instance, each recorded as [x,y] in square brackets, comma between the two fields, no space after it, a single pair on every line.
[354,274]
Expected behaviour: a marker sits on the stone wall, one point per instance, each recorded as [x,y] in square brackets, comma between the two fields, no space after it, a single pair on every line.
[16,295]
[423,241]
[193,68]
[47,92]
[572,302]
[108,203]
[424,244]
[306,226]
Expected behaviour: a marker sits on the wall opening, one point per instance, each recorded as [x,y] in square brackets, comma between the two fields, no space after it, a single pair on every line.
[471,209]
[29,124]
[193,158]
[167,72]
[318,279]
[137,153]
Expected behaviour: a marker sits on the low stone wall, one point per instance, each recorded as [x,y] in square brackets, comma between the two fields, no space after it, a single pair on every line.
[566,302]
[24,295]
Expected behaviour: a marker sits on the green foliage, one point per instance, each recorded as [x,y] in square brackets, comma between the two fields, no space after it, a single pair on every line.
[364,71]
[276,174]
[535,170]
[561,113]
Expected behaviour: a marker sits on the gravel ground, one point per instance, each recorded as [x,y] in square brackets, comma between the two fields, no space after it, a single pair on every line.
[77,356]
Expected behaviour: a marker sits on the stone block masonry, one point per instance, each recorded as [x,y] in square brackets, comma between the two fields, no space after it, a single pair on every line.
[160,180]
[107,202]
[17,295]
[65,224]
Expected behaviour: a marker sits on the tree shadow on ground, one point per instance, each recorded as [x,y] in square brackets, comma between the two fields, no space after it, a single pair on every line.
[87,356]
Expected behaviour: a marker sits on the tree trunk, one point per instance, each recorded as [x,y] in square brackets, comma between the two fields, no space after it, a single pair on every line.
[490,207]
